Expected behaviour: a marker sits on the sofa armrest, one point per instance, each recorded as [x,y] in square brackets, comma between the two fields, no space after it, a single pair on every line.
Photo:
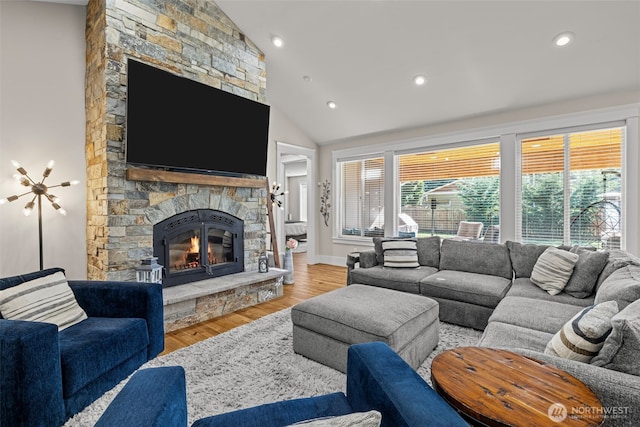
[151,397]
[30,374]
[377,378]
[125,299]
[368,259]
[618,392]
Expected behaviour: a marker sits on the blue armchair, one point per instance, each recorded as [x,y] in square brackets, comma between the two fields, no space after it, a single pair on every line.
[47,376]
[377,379]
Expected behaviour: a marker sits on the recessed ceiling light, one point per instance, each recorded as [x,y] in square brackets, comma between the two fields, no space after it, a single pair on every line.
[420,79]
[563,39]
[277,41]
[332,105]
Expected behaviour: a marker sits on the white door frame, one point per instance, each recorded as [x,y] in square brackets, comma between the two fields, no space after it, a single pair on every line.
[282,150]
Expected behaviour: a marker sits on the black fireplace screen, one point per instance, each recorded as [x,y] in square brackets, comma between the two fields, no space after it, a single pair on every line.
[198,244]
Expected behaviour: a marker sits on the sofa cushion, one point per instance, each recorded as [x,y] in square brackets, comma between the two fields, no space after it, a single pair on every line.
[524,287]
[475,257]
[524,257]
[622,347]
[499,334]
[539,315]
[115,339]
[357,419]
[429,251]
[43,299]
[586,271]
[400,253]
[473,288]
[618,258]
[582,337]
[553,269]
[623,286]
[405,280]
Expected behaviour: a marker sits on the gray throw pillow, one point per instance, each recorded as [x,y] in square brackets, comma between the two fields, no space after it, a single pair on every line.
[622,347]
[622,286]
[429,251]
[524,257]
[377,246]
[585,273]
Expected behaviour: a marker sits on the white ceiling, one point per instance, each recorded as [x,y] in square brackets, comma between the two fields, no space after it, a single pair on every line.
[481,57]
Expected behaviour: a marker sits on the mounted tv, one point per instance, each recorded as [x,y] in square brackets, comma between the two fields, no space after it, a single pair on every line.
[179,124]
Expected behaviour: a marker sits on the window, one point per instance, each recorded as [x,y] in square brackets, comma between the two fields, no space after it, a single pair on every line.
[362,202]
[440,188]
[570,188]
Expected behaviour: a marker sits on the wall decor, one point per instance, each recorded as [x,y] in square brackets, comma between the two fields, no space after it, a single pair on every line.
[325,203]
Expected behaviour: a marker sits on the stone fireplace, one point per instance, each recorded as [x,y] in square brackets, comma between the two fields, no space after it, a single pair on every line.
[190,38]
[194,39]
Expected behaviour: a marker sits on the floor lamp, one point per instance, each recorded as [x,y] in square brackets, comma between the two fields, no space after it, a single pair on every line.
[38,189]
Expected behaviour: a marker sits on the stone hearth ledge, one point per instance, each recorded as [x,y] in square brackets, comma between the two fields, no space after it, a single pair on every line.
[195,302]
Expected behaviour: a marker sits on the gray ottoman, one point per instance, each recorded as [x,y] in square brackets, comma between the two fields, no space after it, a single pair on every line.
[326,325]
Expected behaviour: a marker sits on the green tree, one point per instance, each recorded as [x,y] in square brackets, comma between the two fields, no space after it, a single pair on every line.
[481,199]
[542,207]
[411,193]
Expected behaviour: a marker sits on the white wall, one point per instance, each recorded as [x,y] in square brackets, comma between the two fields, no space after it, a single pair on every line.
[42,118]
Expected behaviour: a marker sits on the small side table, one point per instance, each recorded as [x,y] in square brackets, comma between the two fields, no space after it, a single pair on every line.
[352,259]
[493,387]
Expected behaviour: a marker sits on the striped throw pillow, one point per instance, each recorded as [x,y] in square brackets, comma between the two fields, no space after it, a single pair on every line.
[400,253]
[553,270]
[582,337]
[45,299]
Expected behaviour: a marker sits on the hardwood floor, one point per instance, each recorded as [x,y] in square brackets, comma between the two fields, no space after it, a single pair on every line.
[310,280]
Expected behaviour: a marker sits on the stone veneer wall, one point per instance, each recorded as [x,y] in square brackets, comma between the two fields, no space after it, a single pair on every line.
[192,38]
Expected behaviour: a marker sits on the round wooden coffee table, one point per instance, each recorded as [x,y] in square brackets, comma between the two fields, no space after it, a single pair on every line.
[500,388]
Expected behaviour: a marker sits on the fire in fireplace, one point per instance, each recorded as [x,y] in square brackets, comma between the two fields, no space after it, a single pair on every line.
[199,244]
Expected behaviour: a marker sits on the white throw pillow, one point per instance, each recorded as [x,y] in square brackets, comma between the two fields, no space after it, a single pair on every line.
[582,337]
[553,269]
[357,419]
[401,253]
[45,299]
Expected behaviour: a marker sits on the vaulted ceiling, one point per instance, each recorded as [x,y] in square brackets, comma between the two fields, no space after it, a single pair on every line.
[480,58]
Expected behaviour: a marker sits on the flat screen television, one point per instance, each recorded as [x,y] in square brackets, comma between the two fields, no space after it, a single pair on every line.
[179,124]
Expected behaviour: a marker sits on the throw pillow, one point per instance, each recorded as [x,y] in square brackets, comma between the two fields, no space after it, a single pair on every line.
[582,337]
[429,251]
[553,270]
[45,299]
[524,257]
[371,418]
[622,347]
[400,253]
[586,271]
[623,286]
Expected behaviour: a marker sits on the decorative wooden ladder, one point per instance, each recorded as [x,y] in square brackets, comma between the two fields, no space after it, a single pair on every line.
[272,227]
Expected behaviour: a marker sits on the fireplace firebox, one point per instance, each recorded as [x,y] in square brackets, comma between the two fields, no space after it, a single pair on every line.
[197,245]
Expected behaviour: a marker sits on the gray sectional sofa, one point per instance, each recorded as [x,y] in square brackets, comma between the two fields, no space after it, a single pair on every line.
[487,286]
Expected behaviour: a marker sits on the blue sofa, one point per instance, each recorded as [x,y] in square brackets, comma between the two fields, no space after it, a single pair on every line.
[47,375]
[377,379]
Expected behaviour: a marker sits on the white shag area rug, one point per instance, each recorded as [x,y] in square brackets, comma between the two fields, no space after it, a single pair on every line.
[254,364]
